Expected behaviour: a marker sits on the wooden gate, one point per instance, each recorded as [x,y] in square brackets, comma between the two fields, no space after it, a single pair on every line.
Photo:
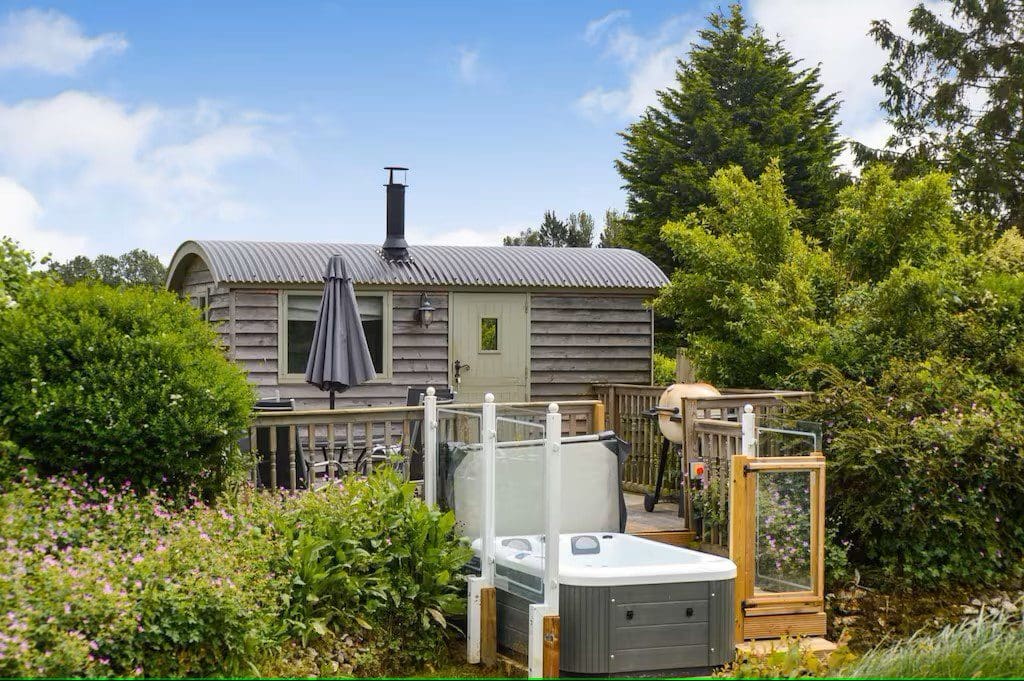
[777,540]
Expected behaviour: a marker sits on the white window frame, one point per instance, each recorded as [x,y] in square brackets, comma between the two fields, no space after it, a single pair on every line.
[282,331]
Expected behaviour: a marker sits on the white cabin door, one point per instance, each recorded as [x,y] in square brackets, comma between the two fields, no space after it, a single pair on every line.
[490,346]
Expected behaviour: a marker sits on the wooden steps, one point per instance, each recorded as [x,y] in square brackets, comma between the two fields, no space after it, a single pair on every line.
[674,537]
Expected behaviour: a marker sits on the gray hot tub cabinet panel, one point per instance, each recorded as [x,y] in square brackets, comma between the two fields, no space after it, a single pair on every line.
[629,629]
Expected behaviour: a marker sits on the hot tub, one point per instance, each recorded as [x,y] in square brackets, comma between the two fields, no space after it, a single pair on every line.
[627,604]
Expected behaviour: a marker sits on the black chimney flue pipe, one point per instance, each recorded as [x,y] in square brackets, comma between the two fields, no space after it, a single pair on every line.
[395,246]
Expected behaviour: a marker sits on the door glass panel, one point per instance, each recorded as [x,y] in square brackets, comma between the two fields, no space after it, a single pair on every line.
[782,553]
[488,334]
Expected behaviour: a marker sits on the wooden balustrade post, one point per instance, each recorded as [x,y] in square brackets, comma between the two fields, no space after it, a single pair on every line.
[600,417]
[293,446]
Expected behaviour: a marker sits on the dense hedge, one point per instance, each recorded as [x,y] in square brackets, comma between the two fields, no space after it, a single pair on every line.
[125,383]
[909,321]
[99,580]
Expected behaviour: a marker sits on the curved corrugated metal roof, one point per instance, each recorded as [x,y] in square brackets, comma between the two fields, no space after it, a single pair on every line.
[269,262]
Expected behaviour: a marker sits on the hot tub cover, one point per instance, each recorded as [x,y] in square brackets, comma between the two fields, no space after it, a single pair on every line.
[591,491]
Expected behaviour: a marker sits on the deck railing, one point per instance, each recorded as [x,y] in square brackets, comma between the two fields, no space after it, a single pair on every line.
[711,428]
[313,448]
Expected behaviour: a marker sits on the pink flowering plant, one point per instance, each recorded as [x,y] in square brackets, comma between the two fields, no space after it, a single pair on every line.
[100,579]
[926,473]
[782,552]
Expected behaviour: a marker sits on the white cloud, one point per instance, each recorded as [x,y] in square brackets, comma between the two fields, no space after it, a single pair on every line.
[835,33]
[596,28]
[648,62]
[51,42]
[92,160]
[19,219]
[470,71]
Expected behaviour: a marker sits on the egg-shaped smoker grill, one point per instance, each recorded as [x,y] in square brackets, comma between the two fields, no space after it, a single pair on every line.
[669,413]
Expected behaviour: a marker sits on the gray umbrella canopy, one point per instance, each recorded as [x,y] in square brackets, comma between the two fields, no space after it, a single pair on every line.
[338,356]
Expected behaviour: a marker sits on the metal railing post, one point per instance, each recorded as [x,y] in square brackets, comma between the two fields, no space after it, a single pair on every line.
[749,430]
[430,446]
[488,435]
[552,504]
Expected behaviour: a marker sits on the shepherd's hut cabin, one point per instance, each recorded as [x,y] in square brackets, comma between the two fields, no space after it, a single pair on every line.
[525,323]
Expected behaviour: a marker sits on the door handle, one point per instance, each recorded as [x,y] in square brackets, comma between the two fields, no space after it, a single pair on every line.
[459,368]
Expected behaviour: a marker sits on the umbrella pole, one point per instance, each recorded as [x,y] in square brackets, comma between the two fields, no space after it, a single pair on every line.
[332,399]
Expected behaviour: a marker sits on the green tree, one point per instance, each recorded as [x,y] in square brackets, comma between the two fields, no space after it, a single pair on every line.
[882,222]
[750,289]
[610,235]
[953,94]
[136,267]
[738,99]
[15,270]
[577,231]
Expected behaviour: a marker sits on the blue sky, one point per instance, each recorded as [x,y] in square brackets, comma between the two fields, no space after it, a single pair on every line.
[141,124]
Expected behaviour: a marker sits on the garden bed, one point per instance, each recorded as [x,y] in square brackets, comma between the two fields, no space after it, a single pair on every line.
[98,579]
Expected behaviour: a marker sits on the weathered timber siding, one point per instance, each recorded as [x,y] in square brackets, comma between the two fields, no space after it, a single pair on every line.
[580,339]
[198,282]
[419,355]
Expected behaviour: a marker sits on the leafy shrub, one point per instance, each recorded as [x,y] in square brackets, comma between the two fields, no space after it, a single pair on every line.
[101,580]
[664,369]
[787,659]
[98,580]
[15,271]
[130,384]
[926,478]
[749,287]
[986,648]
[369,556]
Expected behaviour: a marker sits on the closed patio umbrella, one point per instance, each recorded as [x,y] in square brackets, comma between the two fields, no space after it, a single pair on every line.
[338,356]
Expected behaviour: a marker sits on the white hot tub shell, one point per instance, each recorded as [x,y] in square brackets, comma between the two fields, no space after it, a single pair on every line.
[627,604]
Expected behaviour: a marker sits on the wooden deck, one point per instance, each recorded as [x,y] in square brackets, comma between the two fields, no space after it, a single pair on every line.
[662,524]
[665,515]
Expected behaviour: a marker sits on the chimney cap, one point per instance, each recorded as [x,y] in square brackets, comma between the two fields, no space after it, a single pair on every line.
[397,169]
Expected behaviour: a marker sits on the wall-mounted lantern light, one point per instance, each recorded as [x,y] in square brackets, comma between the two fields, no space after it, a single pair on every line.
[425,312]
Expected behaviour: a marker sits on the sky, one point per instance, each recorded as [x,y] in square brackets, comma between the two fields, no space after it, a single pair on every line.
[140,124]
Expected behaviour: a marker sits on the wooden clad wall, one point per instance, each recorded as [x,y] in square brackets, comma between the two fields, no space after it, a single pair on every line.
[198,282]
[580,339]
[576,340]
[248,324]
[418,355]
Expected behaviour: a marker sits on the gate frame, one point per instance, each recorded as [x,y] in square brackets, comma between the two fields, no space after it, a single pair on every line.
[789,613]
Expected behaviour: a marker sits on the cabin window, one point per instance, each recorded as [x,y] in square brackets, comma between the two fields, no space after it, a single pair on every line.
[299,317]
[488,334]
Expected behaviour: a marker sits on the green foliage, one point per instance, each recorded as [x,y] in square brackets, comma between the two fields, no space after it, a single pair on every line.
[15,271]
[136,267]
[739,99]
[129,384]
[986,648]
[99,580]
[750,288]
[952,93]
[788,659]
[881,223]
[575,232]
[368,555]
[912,329]
[664,369]
[926,480]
